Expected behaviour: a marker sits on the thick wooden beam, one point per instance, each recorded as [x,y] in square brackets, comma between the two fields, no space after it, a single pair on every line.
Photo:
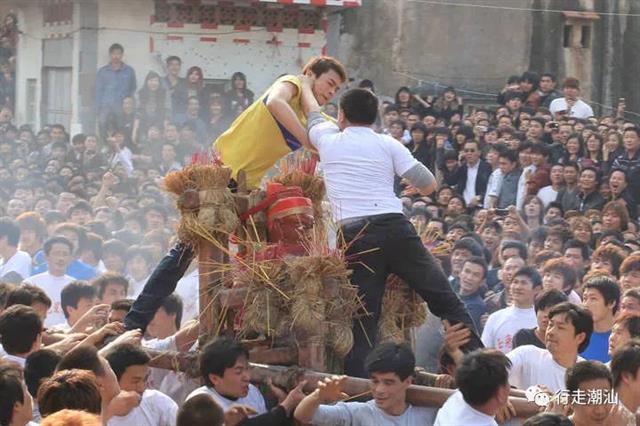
[422,396]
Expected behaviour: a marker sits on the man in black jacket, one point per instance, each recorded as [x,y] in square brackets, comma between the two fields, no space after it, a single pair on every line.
[473,176]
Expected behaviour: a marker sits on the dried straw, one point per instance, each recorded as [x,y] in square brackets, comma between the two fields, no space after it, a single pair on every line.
[215,211]
[402,309]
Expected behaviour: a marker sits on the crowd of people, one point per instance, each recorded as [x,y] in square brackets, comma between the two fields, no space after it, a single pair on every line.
[536,207]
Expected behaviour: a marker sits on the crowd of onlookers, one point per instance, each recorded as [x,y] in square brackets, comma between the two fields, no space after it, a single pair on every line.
[537,209]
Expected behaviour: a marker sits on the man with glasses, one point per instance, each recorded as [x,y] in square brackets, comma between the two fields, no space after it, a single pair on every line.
[473,176]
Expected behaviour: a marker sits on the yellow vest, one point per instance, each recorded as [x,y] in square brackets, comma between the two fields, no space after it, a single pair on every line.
[256,140]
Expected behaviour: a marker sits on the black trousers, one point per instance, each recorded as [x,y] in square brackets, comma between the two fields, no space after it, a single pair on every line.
[161,284]
[384,244]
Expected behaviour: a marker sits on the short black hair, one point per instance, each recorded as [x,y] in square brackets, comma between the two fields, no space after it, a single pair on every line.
[83,358]
[391,357]
[584,371]
[468,244]
[509,155]
[519,245]
[548,419]
[360,106]
[200,410]
[48,245]
[625,360]
[531,273]
[28,294]
[101,282]
[122,305]
[573,243]
[549,298]
[172,304]
[480,261]
[481,373]
[173,58]
[116,46]
[10,229]
[38,366]
[608,288]
[125,355]
[11,391]
[20,326]
[219,355]
[580,318]
[73,292]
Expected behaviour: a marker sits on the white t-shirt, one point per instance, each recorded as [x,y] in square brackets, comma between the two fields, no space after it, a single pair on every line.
[579,110]
[547,195]
[19,263]
[155,409]
[254,398]
[368,413]
[574,298]
[359,169]
[175,385]
[502,325]
[532,366]
[493,186]
[15,359]
[188,289]
[53,287]
[456,411]
[135,287]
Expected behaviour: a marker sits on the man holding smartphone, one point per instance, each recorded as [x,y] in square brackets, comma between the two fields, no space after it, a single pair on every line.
[570,104]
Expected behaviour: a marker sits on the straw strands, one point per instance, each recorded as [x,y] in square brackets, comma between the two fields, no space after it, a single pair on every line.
[402,309]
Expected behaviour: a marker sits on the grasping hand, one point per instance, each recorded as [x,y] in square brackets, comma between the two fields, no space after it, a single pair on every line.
[329,389]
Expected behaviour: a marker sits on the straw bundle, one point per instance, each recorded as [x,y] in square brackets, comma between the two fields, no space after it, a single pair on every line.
[402,309]
[265,308]
[204,201]
[324,301]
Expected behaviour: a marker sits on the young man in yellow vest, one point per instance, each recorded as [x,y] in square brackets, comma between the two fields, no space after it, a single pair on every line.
[275,124]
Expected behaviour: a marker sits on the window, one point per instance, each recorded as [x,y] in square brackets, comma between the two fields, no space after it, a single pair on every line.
[568,30]
[585,37]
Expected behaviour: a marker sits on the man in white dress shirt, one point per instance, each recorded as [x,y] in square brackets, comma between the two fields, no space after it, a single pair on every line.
[359,170]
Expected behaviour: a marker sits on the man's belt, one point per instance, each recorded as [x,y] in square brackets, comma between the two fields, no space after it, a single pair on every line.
[364,219]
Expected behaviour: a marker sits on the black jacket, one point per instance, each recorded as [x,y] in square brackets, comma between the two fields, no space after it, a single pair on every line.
[482,178]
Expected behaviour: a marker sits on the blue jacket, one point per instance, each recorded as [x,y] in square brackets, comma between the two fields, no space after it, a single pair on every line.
[114,85]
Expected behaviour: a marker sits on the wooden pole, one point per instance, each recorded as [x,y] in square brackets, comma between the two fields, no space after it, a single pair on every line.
[421,396]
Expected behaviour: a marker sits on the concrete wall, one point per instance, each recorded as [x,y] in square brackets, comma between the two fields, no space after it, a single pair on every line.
[466,47]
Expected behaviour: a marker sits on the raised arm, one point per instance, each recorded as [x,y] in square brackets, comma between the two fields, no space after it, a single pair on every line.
[278,105]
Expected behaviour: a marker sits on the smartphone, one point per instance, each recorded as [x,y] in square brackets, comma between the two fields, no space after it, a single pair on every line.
[554,125]
[502,212]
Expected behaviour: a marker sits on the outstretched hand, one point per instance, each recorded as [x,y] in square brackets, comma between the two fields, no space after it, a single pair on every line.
[329,389]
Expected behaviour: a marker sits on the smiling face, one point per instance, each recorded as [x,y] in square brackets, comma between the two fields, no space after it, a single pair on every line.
[388,390]
[588,181]
[471,278]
